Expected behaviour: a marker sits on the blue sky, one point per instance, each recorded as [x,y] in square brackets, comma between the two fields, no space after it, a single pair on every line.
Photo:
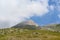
[42,12]
[50,17]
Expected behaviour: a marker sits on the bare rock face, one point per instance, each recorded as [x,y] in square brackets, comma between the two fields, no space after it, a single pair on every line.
[29,22]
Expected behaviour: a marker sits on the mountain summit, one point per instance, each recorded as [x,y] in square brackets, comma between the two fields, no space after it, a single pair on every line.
[28,24]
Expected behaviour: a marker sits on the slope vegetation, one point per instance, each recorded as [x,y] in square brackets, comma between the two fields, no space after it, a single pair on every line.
[25,34]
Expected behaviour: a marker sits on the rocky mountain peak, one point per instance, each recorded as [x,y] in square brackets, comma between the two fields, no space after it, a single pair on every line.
[29,22]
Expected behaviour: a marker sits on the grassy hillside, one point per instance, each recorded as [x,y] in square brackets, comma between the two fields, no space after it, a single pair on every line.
[25,34]
[55,27]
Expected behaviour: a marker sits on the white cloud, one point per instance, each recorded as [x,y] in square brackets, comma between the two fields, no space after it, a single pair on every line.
[57,5]
[17,10]
[59,15]
[51,7]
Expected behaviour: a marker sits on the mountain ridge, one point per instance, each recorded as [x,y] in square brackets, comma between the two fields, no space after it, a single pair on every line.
[52,27]
[28,24]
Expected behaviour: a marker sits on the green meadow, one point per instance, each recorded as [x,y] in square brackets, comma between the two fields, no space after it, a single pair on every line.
[26,34]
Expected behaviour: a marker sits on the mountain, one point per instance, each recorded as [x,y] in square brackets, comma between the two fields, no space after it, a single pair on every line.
[28,24]
[21,32]
[53,27]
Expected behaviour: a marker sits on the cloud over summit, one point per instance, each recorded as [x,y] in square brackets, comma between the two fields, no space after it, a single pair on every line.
[17,10]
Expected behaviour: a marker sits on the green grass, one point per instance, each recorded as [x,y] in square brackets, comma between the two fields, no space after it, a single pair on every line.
[25,34]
